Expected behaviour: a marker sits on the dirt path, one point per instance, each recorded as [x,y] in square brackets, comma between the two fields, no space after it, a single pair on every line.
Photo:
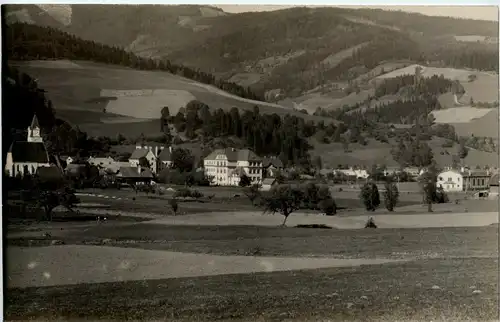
[74,264]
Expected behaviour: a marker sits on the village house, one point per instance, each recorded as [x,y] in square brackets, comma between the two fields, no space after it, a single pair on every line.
[354,173]
[226,166]
[165,159]
[272,166]
[134,175]
[463,180]
[151,154]
[100,161]
[25,157]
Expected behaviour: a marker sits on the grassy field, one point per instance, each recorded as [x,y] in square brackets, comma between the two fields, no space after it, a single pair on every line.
[442,269]
[367,293]
[81,86]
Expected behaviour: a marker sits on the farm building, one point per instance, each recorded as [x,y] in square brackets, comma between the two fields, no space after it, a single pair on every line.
[453,180]
[134,175]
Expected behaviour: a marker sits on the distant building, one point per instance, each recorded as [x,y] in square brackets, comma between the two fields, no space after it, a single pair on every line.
[150,153]
[25,157]
[354,173]
[165,159]
[101,161]
[134,175]
[226,166]
[272,166]
[454,180]
[494,183]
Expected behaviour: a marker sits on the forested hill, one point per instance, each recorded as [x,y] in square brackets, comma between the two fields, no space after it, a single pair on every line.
[25,41]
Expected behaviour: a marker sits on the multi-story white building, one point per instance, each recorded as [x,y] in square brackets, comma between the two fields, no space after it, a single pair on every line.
[226,166]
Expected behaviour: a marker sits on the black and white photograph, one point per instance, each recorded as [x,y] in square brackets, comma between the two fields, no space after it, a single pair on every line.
[250,163]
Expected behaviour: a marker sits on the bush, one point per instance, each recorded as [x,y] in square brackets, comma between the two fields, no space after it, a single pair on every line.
[328,207]
[391,195]
[370,223]
[188,193]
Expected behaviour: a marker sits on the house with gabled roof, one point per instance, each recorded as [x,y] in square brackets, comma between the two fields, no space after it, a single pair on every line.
[25,157]
[272,165]
[148,153]
[226,166]
[165,159]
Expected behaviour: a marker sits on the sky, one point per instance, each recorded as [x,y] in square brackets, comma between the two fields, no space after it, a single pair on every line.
[471,12]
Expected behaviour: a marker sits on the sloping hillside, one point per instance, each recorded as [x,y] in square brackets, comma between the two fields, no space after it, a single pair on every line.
[106,100]
[265,50]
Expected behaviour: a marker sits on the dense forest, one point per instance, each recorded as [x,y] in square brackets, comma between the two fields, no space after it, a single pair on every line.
[30,42]
[265,134]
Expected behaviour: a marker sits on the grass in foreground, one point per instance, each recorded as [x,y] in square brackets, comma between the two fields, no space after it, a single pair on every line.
[289,241]
[367,293]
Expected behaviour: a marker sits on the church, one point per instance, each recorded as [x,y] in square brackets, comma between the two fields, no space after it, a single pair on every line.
[25,157]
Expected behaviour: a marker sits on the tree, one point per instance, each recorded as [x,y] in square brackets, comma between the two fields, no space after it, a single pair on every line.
[391,195]
[174,205]
[182,160]
[370,196]
[245,181]
[284,199]
[463,151]
[252,193]
[328,206]
[49,200]
[428,184]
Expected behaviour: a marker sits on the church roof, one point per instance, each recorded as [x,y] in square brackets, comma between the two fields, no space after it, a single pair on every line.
[34,122]
[29,152]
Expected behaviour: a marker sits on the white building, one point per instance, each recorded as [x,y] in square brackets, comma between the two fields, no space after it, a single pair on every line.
[351,172]
[226,166]
[25,157]
[147,152]
[101,161]
[450,180]
[453,180]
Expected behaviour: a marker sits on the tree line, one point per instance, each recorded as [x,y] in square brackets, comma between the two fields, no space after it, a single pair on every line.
[31,42]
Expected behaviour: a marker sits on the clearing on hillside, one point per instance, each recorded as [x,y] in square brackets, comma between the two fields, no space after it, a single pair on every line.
[463,114]
[461,75]
[335,59]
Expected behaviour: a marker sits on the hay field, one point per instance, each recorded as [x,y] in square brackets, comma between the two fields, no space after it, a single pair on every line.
[459,114]
[245,79]
[483,126]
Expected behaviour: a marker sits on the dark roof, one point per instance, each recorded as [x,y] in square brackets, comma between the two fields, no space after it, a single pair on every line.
[475,173]
[235,155]
[34,122]
[139,153]
[29,152]
[133,172]
[165,155]
[49,173]
[272,161]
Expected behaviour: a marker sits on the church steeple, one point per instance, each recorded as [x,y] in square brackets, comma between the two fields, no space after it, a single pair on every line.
[34,131]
